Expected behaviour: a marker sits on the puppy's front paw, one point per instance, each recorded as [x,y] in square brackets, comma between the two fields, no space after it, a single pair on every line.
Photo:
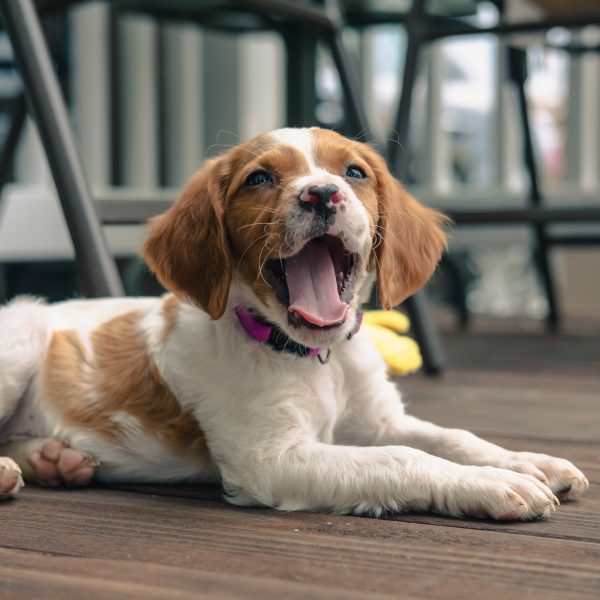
[560,475]
[11,480]
[500,494]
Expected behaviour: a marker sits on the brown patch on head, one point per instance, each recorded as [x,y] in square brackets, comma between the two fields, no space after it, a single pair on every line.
[220,228]
[255,215]
[118,376]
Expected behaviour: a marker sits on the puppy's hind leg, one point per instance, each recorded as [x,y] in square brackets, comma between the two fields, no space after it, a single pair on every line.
[51,462]
[23,333]
[23,330]
[11,480]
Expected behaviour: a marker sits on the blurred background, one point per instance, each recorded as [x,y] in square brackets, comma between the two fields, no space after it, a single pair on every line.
[151,98]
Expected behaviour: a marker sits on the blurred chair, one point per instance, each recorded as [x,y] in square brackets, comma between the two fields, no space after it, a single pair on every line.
[426,21]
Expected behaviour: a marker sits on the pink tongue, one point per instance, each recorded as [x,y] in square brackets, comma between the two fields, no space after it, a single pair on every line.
[313,287]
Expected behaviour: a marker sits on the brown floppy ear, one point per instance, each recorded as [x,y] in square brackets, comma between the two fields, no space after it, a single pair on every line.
[411,243]
[187,246]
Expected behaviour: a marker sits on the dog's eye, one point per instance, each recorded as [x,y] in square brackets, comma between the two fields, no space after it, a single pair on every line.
[354,173]
[258,178]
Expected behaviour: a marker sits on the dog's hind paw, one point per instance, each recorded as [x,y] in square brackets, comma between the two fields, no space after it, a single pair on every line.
[11,480]
[55,464]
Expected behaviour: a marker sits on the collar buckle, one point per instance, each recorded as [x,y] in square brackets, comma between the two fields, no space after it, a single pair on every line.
[325,360]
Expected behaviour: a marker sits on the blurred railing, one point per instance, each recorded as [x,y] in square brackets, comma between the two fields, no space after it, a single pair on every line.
[151,101]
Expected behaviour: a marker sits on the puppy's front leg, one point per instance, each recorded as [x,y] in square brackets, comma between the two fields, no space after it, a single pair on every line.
[463,447]
[310,475]
[375,416]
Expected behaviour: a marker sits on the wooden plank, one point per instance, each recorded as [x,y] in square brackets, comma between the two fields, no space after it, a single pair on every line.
[576,520]
[497,410]
[404,557]
[44,577]
[526,353]
[586,382]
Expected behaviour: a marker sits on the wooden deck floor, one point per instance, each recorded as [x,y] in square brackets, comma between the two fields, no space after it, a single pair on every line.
[526,391]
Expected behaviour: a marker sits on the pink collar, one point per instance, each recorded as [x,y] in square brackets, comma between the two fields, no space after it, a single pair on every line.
[272,335]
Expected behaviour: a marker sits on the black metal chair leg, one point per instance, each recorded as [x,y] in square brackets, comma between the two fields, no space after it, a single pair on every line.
[17,120]
[96,268]
[425,333]
[518,72]
[301,95]
[423,327]
[350,80]
[416,306]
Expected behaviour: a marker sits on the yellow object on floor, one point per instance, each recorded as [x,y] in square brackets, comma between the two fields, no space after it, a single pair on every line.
[400,352]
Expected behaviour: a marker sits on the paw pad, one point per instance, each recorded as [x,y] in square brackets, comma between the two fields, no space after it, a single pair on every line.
[55,463]
[11,480]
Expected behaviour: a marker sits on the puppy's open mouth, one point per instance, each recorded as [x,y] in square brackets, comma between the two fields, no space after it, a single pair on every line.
[316,285]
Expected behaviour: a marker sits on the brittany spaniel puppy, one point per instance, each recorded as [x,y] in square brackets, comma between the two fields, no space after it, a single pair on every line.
[253,371]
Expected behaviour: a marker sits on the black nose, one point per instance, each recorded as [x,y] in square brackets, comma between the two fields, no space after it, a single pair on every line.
[322,199]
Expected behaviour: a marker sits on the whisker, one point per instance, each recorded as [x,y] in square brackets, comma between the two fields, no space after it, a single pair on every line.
[396,140]
[377,261]
[237,271]
[231,133]
[389,232]
[278,222]
[263,263]
[390,212]
[361,134]
[378,240]
[265,208]
[285,239]
[216,145]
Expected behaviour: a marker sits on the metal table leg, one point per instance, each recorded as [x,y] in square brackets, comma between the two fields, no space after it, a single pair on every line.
[424,329]
[301,96]
[518,73]
[417,306]
[425,333]
[96,268]
[351,85]
[17,120]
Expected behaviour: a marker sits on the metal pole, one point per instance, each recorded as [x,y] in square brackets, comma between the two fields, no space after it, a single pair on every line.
[17,120]
[518,68]
[417,305]
[96,268]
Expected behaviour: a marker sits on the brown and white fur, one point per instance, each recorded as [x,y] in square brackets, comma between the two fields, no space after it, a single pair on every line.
[173,389]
